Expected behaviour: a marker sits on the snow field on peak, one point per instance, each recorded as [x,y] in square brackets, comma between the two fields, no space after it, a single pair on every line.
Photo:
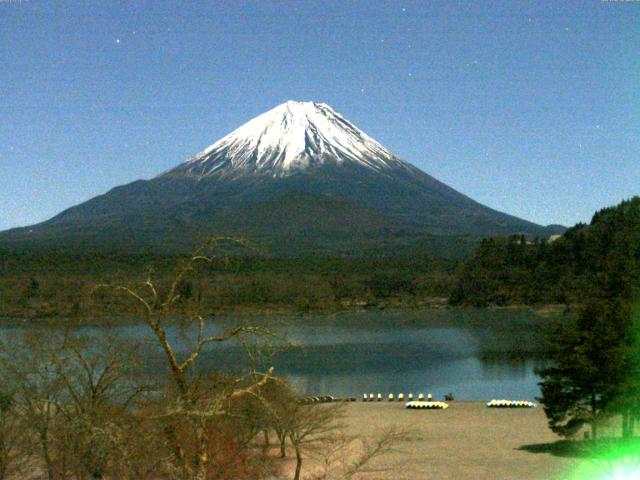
[289,137]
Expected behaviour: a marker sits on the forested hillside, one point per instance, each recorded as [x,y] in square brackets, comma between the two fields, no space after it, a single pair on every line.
[44,285]
[514,270]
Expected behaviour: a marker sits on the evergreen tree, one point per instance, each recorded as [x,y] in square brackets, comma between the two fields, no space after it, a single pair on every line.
[596,360]
[588,365]
[627,395]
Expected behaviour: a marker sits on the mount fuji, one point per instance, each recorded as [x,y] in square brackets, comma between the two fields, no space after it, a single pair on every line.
[299,178]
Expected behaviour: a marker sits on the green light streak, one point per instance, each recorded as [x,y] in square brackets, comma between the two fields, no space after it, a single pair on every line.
[612,458]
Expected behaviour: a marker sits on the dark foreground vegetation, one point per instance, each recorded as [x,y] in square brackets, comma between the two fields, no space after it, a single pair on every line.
[77,407]
[595,351]
[517,270]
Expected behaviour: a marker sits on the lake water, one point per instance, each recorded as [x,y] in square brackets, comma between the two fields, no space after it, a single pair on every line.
[468,353]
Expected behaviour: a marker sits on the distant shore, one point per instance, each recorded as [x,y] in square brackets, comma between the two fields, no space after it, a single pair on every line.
[33,315]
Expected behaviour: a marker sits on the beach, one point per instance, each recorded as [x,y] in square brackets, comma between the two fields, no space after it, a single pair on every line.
[465,441]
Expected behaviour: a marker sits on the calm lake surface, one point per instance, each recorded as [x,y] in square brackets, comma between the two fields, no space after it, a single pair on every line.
[469,353]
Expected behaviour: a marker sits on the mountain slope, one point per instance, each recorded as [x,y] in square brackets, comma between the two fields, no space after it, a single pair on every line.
[296,173]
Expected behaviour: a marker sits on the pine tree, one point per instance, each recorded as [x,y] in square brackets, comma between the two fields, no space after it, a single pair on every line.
[588,366]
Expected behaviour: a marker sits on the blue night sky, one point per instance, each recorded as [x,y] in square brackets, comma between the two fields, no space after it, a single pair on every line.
[532,108]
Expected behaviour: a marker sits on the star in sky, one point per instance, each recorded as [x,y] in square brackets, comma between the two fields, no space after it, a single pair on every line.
[443,39]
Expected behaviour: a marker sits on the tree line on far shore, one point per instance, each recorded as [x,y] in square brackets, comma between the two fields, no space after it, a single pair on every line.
[58,285]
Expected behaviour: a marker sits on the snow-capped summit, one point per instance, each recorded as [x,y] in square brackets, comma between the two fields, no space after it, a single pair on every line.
[291,137]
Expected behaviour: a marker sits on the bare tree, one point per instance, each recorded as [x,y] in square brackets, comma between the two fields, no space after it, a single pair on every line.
[11,462]
[86,415]
[73,396]
[97,401]
[316,431]
[191,417]
[310,427]
[349,455]
[26,365]
[140,449]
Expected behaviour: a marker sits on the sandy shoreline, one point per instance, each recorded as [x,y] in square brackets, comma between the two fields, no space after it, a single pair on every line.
[466,441]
